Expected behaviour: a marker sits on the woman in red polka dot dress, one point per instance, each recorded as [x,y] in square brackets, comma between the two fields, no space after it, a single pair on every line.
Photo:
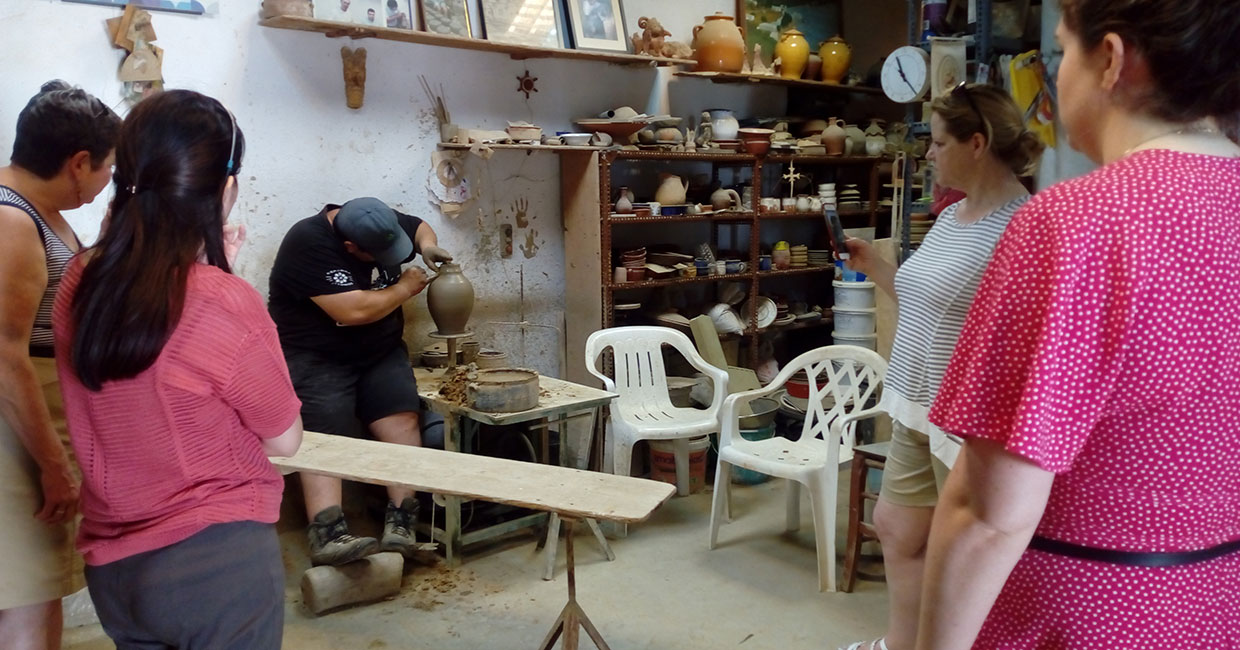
[1096,503]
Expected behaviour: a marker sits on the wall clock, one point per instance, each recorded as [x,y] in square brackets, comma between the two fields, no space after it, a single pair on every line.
[906,74]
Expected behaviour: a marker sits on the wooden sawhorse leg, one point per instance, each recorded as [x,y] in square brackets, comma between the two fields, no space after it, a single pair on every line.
[572,616]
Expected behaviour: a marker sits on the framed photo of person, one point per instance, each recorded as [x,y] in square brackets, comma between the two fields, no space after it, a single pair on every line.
[598,25]
[358,12]
[398,14]
[445,17]
[537,23]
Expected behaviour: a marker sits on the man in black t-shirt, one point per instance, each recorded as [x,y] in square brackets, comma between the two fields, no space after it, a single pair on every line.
[336,292]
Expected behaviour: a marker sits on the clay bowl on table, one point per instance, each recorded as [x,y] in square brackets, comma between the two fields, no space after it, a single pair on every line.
[756,147]
[576,139]
[618,130]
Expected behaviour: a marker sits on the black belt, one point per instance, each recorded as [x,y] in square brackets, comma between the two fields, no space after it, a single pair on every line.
[43,351]
[1133,558]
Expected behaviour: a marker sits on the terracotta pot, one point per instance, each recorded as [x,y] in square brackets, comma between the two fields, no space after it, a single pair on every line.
[836,56]
[450,299]
[671,190]
[834,137]
[718,45]
[793,52]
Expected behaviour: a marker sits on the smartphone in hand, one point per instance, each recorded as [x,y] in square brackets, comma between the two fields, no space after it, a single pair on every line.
[835,230]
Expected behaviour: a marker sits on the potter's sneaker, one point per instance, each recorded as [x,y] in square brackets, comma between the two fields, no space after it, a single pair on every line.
[398,527]
[331,542]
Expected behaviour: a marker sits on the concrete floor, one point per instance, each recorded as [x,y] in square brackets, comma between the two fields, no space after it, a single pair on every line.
[666,590]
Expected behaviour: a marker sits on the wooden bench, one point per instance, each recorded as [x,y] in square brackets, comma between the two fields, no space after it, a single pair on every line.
[571,494]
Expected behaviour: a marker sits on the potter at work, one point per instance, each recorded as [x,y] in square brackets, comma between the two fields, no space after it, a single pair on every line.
[341,334]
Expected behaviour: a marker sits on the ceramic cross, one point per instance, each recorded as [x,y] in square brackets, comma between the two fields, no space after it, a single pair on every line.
[792,177]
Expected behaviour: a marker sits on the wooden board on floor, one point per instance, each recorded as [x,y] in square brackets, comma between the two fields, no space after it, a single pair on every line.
[569,492]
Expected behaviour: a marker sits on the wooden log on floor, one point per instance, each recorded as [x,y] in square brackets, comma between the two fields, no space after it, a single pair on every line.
[372,578]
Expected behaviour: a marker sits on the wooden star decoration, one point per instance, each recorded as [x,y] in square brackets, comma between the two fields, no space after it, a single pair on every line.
[525,84]
[792,177]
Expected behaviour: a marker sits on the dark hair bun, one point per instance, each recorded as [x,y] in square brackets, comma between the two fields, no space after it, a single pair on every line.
[54,84]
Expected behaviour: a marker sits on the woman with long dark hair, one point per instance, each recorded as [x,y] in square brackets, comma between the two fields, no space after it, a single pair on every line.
[1096,502]
[62,159]
[176,392]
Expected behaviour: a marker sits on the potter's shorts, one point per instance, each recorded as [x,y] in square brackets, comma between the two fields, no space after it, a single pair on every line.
[913,476]
[340,398]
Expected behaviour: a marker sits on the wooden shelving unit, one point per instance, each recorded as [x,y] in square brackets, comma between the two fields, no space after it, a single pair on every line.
[333,29]
[739,78]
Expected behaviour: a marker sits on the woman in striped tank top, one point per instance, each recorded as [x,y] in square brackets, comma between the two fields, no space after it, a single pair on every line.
[62,158]
[980,146]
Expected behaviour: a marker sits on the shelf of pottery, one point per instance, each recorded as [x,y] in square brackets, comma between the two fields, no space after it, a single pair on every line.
[659,237]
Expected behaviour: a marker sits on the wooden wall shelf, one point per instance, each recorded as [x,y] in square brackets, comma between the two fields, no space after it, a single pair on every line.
[738,78]
[333,29]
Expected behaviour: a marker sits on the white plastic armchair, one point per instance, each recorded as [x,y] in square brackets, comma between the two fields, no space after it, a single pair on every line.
[847,378]
[644,410]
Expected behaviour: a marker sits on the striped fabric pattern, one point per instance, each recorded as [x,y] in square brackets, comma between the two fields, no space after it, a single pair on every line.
[935,288]
[57,254]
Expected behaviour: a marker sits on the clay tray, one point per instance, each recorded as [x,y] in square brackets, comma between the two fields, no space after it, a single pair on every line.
[503,390]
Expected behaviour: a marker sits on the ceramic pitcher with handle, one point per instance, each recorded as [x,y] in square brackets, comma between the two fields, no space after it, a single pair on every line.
[672,189]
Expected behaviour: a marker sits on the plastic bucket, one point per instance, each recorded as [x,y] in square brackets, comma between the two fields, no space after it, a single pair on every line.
[663,462]
[742,476]
[854,295]
[855,322]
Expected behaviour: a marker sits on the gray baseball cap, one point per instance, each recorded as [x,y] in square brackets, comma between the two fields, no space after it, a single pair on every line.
[372,225]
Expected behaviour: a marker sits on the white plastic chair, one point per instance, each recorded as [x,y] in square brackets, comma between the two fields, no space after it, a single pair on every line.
[848,376]
[644,410]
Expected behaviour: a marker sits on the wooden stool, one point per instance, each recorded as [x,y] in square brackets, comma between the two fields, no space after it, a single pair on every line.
[865,458]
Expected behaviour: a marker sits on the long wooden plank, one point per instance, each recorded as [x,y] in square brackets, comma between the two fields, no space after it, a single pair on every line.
[569,492]
[336,29]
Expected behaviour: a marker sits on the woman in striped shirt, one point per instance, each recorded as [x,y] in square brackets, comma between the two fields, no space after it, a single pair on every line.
[979,145]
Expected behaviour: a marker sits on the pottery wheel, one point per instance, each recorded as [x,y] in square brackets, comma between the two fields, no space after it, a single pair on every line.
[452,339]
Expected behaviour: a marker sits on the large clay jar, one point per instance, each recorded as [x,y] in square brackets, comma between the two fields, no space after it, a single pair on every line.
[718,45]
[450,299]
[723,124]
[836,56]
[834,137]
[671,190]
[793,52]
[854,142]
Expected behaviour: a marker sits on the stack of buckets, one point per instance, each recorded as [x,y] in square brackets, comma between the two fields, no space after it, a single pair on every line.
[856,317]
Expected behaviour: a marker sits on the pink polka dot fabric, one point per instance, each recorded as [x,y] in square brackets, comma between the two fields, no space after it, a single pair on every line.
[1104,346]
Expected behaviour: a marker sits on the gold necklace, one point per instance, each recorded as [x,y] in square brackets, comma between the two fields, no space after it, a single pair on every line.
[1181,131]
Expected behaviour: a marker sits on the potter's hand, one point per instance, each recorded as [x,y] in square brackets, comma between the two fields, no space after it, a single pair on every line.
[234,237]
[434,256]
[413,279]
[860,255]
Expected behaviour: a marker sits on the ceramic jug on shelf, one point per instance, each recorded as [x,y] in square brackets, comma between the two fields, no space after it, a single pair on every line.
[724,199]
[793,52]
[723,124]
[450,298]
[875,144]
[718,45]
[836,56]
[854,144]
[672,190]
[834,137]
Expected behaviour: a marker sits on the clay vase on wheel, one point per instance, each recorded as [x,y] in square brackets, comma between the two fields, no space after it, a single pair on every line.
[450,299]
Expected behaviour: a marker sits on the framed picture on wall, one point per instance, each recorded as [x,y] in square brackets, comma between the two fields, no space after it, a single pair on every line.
[197,7]
[764,20]
[445,17]
[398,14]
[598,25]
[537,23]
[359,12]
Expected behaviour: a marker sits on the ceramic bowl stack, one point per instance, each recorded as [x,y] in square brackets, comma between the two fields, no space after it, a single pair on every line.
[634,262]
[850,197]
[782,315]
[799,256]
[820,258]
[918,227]
[855,316]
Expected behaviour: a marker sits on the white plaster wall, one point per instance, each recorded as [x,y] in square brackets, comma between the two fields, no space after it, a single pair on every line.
[1061,162]
[306,148]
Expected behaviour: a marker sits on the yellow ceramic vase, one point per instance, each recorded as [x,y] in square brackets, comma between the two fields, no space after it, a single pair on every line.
[835,59]
[718,45]
[793,52]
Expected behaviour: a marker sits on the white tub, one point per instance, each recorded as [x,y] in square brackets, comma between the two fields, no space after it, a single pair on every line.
[869,342]
[855,322]
[854,295]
